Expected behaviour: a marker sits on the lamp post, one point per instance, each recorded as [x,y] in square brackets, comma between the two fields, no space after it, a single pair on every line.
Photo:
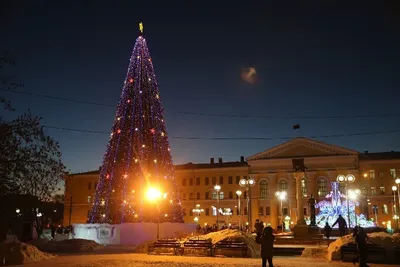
[155,195]
[346,180]
[281,195]
[239,193]
[353,195]
[217,188]
[197,212]
[397,181]
[394,189]
[248,184]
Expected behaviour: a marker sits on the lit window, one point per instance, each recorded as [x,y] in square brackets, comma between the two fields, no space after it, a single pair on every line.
[381,174]
[263,189]
[214,211]
[373,190]
[382,190]
[304,187]
[385,209]
[322,187]
[372,174]
[89,199]
[283,185]
[393,173]
[221,195]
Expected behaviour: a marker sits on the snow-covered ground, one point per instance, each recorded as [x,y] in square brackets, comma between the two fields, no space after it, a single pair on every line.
[143,260]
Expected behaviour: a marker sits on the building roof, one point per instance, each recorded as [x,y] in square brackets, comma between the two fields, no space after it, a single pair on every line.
[392,155]
[190,165]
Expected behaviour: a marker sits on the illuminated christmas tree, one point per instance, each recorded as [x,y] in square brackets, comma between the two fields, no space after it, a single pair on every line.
[137,181]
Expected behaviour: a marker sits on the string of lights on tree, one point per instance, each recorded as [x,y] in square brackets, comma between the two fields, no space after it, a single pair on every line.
[138,153]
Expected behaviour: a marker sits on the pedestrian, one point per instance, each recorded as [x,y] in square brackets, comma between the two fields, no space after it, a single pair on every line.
[342,225]
[327,230]
[361,240]
[267,246]
[259,229]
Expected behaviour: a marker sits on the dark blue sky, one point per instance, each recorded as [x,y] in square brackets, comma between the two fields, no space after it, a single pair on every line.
[311,60]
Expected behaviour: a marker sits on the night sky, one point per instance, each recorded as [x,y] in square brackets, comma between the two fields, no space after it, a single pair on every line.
[321,60]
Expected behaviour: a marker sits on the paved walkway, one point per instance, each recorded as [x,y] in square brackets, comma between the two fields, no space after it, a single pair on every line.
[143,260]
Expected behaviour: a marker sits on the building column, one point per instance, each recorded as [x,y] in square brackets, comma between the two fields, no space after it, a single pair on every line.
[299,198]
[273,203]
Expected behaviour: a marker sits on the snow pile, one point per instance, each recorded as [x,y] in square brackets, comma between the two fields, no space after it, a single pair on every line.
[144,247]
[334,247]
[381,238]
[20,253]
[396,238]
[67,246]
[320,253]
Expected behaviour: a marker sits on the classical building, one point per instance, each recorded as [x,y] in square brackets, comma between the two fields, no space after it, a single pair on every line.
[272,171]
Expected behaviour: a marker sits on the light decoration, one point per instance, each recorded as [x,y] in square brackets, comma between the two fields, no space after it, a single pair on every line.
[329,210]
[135,138]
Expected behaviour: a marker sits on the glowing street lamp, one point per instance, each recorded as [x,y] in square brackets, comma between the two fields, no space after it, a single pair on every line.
[397,181]
[350,178]
[153,195]
[394,189]
[248,184]
[197,212]
[239,193]
[217,188]
[281,195]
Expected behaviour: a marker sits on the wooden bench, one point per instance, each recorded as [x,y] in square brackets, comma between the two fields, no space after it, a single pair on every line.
[195,244]
[231,245]
[172,244]
[372,250]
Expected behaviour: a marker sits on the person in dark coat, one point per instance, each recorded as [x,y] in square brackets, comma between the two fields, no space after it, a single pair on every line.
[327,230]
[361,241]
[267,246]
[258,229]
[342,225]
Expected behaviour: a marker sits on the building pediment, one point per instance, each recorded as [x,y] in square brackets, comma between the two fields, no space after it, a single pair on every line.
[302,148]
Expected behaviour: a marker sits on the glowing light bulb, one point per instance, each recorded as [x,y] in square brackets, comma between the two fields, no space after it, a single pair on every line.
[162,133]
[136,129]
[129,101]
[119,118]
[136,160]
[119,131]
[143,146]
[149,79]
[125,176]
[131,80]
[155,161]
[104,215]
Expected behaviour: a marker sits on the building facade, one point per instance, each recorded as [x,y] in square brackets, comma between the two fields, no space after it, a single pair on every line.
[271,171]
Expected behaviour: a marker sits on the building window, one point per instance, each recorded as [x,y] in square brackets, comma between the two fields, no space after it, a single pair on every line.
[214,195]
[373,191]
[214,181]
[237,179]
[364,190]
[263,189]
[342,188]
[381,174]
[221,180]
[89,199]
[190,212]
[184,182]
[221,195]
[285,211]
[372,174]
[382,190]
[304,187]
[207,211]
[197,180]
[198,195]
[207,181]
[207,195]
[214,211]
[245,211]
[322,187]
[393,173]
[267,210]
[375,209]
[385,209]
[191,196]
[283,185]
[190,181]
[230,180]
[230,195]
[89,186]
[261,211]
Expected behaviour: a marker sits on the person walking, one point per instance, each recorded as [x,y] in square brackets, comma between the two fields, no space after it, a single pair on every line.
[342,225]
[327,230]
[267,246]
[361,240]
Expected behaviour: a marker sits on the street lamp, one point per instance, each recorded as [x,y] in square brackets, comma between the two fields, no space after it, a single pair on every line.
[217,188]
[248,183]
[397,181]
[281,195]
[197,212]
[350,178]
[239,193]
[353,195]
[154,195]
